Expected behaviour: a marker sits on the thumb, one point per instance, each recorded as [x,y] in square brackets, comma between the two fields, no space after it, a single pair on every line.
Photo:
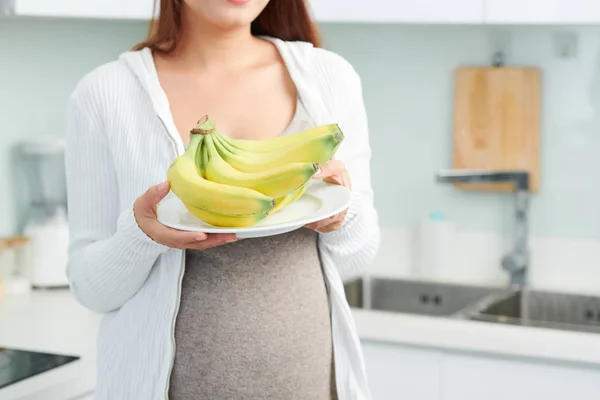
[155,194]
[323,171]
[335,179]
[332,167]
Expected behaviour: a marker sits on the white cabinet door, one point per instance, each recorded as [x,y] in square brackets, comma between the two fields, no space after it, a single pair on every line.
[402,373]
[542,11]
[410,11]
[117,9]
[476,378]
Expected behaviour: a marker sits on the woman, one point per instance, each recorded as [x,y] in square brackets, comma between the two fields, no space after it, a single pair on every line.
[196,316]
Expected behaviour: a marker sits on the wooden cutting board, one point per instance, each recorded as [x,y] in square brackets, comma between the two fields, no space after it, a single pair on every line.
[497,122]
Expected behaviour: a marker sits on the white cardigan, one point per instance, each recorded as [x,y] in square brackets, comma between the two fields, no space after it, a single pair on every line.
[121,139]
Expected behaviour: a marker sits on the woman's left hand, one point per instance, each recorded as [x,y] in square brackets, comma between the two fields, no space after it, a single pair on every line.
[333,172]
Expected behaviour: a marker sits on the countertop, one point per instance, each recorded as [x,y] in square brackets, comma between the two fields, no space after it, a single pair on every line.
[54,322]
[475,336]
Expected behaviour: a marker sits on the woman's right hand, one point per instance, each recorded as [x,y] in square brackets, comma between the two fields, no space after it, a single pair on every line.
[144,210]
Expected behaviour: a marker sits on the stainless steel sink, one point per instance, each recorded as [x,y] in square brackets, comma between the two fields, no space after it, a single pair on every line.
[542,309]
[415,297]
[525,307]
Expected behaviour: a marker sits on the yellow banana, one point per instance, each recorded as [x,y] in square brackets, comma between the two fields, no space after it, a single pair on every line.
[275,182]
[232,221]
[202,158]
[195,191]
[317,150]
[204,127]
[280,142]
[237,183]
[285,201]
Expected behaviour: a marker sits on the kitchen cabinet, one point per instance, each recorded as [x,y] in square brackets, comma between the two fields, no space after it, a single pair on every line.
[401,11]
[466,377]
[399,372]
[107,9]
[527,12]
[542,11]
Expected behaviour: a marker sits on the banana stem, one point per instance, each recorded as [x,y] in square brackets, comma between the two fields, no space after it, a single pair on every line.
[204,126]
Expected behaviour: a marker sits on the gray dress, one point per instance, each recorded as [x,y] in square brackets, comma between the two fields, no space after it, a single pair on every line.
[254,319]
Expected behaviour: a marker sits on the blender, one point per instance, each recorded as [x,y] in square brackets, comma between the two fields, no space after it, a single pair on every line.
[46,226]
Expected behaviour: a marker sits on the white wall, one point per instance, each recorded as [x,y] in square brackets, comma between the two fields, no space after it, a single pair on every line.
[408,80]
[40,63]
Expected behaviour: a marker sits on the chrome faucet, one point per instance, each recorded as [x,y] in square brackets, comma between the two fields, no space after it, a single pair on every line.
[517,261]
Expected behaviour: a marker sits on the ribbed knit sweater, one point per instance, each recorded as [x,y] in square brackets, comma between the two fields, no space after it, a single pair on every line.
[121,138]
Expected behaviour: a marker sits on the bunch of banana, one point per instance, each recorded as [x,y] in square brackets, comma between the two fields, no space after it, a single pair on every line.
[236,183]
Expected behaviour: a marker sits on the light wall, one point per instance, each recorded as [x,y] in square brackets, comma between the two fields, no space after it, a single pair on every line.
[40,64]
[407,73]
[408,84]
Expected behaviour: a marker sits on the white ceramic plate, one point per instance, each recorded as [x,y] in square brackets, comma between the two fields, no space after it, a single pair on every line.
[321,200]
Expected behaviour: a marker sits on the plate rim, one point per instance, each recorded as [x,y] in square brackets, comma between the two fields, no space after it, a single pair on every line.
[259,229]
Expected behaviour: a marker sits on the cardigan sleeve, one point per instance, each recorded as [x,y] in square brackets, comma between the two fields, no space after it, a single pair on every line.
[109,256]
[353,247]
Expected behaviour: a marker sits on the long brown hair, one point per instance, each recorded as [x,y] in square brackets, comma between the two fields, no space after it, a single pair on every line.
[283,19]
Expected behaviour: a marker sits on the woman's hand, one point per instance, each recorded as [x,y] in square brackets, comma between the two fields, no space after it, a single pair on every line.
[332,172]
[144,211]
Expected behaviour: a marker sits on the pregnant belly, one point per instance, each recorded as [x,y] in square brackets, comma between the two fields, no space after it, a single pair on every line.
[254,319]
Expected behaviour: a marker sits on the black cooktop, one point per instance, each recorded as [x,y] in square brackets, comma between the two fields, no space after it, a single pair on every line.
[17,365]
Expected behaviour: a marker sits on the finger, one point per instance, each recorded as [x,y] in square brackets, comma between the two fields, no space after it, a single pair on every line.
[214,241]
[317,224]
[335,221]
[320,224]
[335,218]
[330,228]
[335,174]
[333,167]
[153,196]
[312,225]
[173,237]
[332,224]
[335,179]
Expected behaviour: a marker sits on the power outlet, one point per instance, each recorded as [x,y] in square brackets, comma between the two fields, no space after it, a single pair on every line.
[566,45]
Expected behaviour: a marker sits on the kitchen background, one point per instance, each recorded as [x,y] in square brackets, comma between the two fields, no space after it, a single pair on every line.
[407,73]
[420,340]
